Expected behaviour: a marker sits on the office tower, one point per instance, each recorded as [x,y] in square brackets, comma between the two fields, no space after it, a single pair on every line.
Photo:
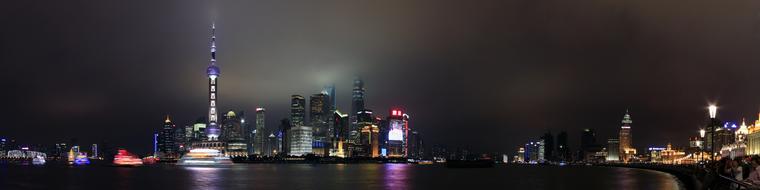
[319,109]
[199,130]
[213,130]
[260,134]
[548,139]
[301,139]
[339,134]
[297,108]
[95,152]
[166,147]
[369,142]
[284,136]
[3,149]
[613,150]
[357,104]
[589,145]
[270,147]
[415,147]
[563,151]
[179,139]
[396,133]
[329,91]
[724,136]
[626,148]
[232,134]
[534,152]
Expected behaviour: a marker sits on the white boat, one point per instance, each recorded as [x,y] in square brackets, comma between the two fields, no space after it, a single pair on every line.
[38,160]
[204,157]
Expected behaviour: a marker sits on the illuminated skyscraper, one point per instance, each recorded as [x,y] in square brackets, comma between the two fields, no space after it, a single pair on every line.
[626,148]
[357,104]
[397,145]
[212,71]
[339,134]
[369,142]
[233,134]
[297,108]
[260,137]
[166,146]
[301,138]
[319,109]
[613,152]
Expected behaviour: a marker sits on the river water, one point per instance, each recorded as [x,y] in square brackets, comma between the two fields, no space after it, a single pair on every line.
[333,176]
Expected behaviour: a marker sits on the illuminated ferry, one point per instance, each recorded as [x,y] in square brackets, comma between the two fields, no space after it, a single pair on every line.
[38,160]
[204,157]
[124,158]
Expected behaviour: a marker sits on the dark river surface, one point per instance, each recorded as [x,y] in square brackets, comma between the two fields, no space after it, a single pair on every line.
[333,176]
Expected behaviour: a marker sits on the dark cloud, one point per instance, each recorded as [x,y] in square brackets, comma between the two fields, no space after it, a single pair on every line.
[484,74]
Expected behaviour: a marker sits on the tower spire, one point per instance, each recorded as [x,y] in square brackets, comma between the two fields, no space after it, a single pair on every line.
[213,43]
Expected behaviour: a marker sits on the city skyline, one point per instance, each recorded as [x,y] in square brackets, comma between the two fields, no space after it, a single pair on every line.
[99,88]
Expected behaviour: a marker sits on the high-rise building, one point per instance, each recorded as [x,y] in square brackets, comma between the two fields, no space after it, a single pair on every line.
[284,136]
[369,142]
[534,151]
[95,153]
[233,132]
[301,139]
[270,147]
[397,134]
[548,139]
[563,150]
[297,108]
[626,147]
[589,146]
[260,134]
[179,139]
[416,150]
[613,150]
[339,134]
[199,130]
[724,135]
[319,113]
[213,130]
[3,149]
[166,147]
[357,104]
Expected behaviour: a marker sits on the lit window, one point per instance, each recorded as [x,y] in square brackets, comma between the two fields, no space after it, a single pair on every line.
[213,103]
[213,111]
[213,96]
[213,88]
[213,80]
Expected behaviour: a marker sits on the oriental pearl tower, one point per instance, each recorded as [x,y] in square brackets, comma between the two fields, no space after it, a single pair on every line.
[213,130]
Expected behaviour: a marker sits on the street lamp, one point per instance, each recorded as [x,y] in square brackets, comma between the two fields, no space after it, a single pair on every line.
[702,137]
[713,110]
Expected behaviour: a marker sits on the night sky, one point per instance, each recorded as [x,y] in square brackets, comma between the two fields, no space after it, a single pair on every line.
[488,75]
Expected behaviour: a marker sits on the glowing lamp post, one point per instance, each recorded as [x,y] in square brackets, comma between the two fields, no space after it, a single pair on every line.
[713,110]
[702,137]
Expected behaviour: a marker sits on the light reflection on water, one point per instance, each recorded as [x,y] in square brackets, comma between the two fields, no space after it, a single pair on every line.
[205,177]
[335,177]
[396,176]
